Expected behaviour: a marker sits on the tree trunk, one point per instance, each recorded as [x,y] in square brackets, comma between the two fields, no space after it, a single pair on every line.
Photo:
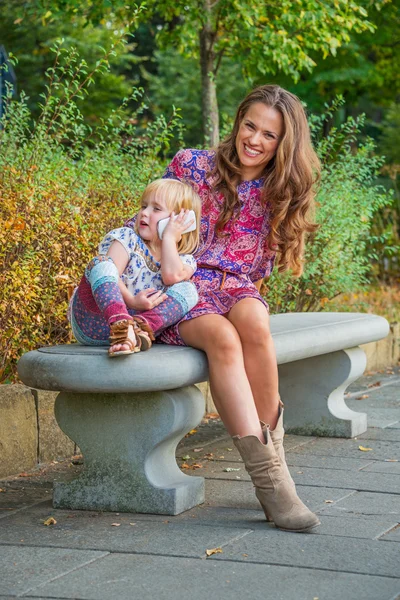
[209,100]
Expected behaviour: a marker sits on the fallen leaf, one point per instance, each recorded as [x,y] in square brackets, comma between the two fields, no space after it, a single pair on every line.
[49,521]
[376,384]
[244,554]
[364,449]
[185,466]
[198,449]
[386,460]
[115,524]
[132,523]
[25,474]
[2,490]
[186,457]
[196,466]
[221,457]
[329,501]
[214,551]
[300,472]
[191,432]
[362,397]
[230,469]
[212,416]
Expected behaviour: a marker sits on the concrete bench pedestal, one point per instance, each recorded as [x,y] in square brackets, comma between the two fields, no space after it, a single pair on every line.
[127,414]
[128,442]
[313,393]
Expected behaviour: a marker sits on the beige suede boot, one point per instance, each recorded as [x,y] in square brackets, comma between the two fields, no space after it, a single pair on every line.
[277,436]
[276,494]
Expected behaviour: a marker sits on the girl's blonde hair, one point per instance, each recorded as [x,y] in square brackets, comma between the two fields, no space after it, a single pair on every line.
[290,176]
[177,195]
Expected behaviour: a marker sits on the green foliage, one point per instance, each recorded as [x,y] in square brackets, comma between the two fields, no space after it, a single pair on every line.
[390,140]
[63,185]
[31,40]
[339,257]
[178,78]
[266,37]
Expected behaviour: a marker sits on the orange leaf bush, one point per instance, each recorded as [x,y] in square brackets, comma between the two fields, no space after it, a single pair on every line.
[62,187]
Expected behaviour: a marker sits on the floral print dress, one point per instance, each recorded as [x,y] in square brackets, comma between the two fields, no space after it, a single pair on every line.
[227,265]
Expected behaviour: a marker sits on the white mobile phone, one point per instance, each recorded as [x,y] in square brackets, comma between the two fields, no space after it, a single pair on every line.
[161,225]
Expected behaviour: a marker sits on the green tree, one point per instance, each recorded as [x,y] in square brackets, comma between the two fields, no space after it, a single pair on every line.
[30,41]
[263,37]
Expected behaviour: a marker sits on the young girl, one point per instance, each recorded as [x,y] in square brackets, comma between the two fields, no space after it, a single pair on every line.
[137,285]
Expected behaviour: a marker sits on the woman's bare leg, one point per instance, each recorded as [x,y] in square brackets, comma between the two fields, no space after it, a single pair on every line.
[229,383]
[251,321]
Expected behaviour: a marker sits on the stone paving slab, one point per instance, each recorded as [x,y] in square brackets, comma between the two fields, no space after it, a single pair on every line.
[305,476]
[15,499]
[326,462]
[366,503]
[369,557]
[345,525]
[349,448]
[377,433]
[240,494]
[23,568]
[383,467]
[224,449]
[393,535]
[98,533]
[125,577]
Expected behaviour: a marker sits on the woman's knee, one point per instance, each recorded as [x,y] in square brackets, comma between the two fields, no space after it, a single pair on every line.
[224,342]
[253,326]
[187,292]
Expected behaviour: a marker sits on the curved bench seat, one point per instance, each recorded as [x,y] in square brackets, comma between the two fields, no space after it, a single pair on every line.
[297,336]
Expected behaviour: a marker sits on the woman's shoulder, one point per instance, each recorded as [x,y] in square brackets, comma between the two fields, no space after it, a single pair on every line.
[190,160]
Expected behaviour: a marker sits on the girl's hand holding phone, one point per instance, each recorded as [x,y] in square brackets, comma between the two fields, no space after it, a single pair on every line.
[175,225]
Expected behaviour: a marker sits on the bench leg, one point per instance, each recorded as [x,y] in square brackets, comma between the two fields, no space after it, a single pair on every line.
[128,443]
[313,393]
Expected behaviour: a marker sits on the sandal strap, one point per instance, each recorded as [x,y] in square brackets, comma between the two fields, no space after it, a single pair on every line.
[144,326]
[119,334]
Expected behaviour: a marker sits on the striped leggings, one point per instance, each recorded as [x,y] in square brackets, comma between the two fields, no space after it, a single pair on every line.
[98,302]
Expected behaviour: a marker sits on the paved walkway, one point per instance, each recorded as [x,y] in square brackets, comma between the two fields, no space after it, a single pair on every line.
[353,555]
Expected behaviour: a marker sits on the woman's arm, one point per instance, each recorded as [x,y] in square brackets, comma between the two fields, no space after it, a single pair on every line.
[172,268]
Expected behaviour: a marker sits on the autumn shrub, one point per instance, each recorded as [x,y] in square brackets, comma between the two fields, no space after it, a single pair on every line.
[63,185]
[340,256]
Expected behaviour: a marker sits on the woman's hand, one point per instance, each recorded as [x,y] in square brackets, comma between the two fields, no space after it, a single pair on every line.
[177,225]
[146,299]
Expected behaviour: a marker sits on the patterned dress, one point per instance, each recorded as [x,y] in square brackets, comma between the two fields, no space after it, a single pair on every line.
[227,265]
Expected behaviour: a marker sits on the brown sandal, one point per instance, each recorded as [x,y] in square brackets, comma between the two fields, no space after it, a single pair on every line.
[143,332]
[119,335]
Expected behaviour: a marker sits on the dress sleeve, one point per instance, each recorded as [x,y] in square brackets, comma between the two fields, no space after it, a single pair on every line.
[125,235]
[188,259]
[175,167]
[266,265]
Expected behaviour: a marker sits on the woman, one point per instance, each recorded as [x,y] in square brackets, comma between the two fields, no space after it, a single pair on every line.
[256,191]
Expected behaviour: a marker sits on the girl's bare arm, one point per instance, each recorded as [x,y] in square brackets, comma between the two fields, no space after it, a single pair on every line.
[172,268]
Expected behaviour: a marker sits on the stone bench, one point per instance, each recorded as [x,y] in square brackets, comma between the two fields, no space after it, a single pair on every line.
[128,414]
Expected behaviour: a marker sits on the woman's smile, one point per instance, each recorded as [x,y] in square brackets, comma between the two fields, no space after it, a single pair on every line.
[259,134]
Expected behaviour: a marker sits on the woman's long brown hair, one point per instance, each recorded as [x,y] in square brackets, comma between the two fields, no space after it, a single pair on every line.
[290,177]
